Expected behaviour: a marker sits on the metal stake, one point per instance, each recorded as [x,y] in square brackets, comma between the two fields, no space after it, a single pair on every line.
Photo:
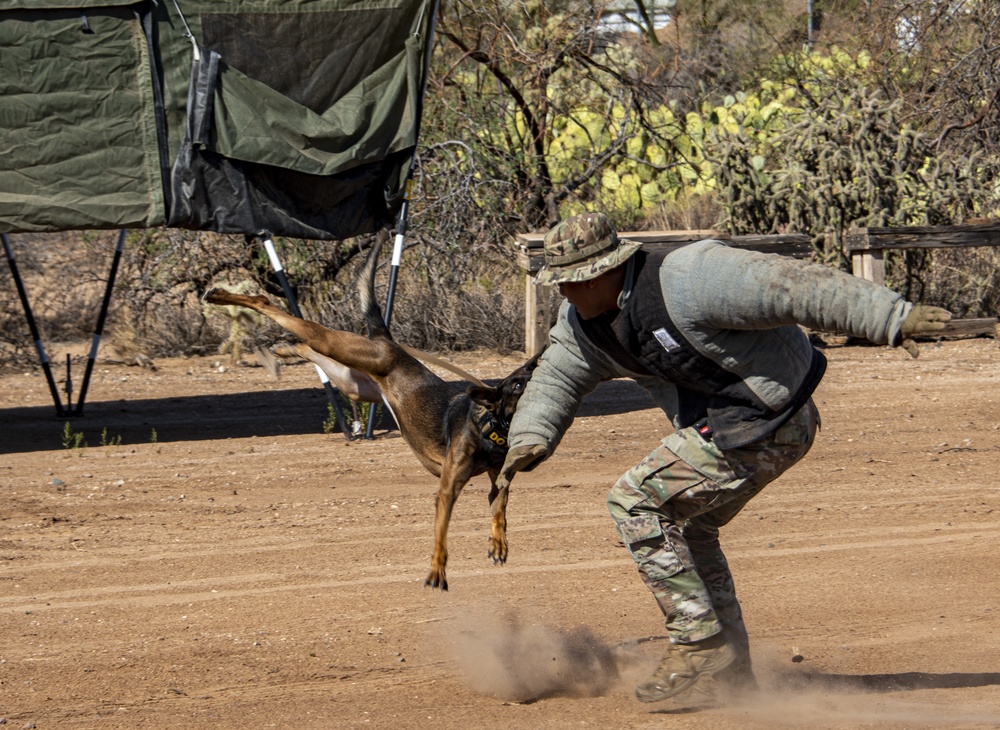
[43,358]
[99,328]
[397,256]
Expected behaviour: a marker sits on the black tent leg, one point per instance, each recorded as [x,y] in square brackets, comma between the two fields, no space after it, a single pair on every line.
[60,411]
[331,392]
[99,329]
[397,256]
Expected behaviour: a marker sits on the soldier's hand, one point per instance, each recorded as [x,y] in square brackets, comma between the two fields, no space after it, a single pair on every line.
[922,320]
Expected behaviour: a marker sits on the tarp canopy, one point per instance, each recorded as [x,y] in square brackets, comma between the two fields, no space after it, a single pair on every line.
[294,117]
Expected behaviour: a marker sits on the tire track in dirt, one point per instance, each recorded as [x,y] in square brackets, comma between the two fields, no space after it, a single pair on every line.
[213,588]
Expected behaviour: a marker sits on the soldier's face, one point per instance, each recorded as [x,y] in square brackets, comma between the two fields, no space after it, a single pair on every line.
[580,295]
[595,296]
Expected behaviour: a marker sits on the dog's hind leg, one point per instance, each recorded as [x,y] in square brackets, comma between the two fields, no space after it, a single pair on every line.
[353,350]
[352,383]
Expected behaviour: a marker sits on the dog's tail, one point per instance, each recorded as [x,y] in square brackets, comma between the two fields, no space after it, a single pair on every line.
[366,290]
[376,322]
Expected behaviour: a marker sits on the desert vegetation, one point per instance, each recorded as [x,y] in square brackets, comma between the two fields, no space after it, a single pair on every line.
[737,115]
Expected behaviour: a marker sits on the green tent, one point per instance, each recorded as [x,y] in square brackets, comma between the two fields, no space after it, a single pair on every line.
[265,118]
[294,117]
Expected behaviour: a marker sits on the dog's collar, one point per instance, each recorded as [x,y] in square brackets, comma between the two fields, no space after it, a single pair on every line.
[492,430]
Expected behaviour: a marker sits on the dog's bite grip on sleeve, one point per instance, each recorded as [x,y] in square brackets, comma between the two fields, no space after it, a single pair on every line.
[522,458]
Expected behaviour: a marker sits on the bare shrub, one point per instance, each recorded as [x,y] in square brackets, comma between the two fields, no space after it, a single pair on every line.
[445,298]
[64,277]
[965,281]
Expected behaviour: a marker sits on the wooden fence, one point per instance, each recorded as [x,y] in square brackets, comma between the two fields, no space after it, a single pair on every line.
[866,247]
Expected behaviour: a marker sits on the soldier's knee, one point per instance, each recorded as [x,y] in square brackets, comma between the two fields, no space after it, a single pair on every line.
[623,498]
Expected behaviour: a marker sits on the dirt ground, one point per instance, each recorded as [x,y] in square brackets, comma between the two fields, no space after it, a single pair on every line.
[212,559]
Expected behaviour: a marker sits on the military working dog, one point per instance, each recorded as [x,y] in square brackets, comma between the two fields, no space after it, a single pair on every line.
[456,430]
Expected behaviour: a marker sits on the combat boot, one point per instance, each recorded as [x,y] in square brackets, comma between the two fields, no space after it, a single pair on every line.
[684,665]
[738,678]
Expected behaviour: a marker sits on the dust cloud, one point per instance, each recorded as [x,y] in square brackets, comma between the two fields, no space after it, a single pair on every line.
[521,661]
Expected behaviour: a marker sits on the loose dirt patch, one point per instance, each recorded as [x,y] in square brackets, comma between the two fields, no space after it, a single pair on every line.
[242,569]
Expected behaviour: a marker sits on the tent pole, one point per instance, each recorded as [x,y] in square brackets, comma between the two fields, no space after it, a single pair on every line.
[99,329]
[397,256]
[331,392]
[32,326]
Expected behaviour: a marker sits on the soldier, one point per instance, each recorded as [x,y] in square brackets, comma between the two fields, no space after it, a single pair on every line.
[711,332]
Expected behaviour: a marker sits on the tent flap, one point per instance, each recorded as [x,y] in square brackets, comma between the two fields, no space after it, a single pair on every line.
[73,113]
[253,123]
[298,117]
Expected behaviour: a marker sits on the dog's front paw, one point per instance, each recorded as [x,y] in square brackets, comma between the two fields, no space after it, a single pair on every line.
[437,579]
[498,547]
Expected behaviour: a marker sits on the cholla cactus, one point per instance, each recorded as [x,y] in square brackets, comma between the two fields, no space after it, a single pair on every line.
[241,321]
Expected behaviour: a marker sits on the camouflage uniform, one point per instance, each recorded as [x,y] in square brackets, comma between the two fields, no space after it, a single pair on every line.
[578,240]
[738,311]
[668,510]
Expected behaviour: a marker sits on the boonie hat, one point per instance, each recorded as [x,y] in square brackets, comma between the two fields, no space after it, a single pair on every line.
[582,248]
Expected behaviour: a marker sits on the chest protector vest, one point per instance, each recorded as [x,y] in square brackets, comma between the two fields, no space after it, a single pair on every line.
[643,339]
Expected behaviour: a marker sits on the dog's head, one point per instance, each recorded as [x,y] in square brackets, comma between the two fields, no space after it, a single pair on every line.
[501,400]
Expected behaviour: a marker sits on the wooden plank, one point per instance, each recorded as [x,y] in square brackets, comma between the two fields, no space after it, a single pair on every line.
[530,261]
[972,327]
[958,328]
[797,245]
[977,234]
[534,240]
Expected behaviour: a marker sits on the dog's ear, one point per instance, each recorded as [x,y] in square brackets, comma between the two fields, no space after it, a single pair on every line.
[485,395]
[529,367]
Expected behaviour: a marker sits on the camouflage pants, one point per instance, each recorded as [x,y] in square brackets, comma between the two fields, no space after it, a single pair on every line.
[668,511]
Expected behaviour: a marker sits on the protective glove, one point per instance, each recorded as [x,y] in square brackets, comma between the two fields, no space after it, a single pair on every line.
[522,458]
[922,320]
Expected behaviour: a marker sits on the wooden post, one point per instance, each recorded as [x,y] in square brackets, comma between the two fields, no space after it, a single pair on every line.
[536,315]
[869,265]
[867,262]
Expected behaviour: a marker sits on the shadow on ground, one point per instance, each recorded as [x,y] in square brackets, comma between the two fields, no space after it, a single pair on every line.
[901,682]
[232,415]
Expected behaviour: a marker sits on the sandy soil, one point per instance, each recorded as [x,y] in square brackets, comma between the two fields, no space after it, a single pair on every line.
[242,569]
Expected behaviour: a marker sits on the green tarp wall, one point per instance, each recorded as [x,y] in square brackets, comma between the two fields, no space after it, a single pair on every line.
[295,117]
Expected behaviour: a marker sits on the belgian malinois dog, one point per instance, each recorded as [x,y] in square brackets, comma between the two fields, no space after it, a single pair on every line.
[456,429]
